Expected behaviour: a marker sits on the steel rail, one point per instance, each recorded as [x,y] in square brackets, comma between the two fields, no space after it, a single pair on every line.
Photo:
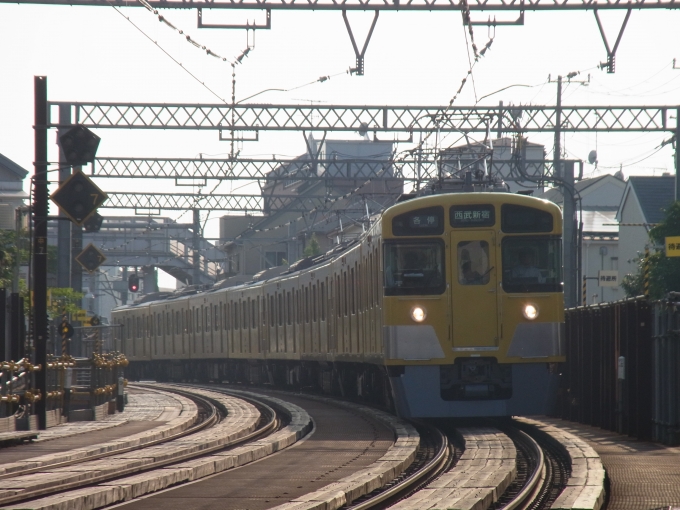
[533,486]
[267,428]
[432,468]
[191,430]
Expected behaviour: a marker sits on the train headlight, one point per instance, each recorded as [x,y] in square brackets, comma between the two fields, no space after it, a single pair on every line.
[418,313]
[530,311]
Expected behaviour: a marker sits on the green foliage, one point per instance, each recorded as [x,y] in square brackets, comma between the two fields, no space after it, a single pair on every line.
[63,301]
[313,247]
[11,248]
[664,272]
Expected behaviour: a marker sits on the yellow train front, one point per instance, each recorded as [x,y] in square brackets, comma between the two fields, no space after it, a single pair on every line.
[473,311]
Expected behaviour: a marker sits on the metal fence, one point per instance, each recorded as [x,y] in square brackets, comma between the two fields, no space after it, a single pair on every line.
[623,368]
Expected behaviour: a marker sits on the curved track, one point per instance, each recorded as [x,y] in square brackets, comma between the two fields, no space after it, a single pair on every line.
[269,422]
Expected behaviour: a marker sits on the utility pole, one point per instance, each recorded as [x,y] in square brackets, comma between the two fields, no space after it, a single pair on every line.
[40,210]
[677,153]
[565,175]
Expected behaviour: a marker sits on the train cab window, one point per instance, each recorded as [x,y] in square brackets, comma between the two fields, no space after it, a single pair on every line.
[520,219]
[532,264]
[474,266]
[414,268]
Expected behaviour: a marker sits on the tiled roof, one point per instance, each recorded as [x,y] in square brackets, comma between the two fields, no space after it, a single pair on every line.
[655,195]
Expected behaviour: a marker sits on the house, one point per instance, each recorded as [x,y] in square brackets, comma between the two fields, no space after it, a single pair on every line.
[520,167]
[256,243]
[12,194]
[598,200]
[643,205]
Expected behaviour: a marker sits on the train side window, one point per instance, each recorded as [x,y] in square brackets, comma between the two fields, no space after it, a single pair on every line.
[168,323]
[159,325]
[323,301]
[307,304]
[279,299]
[151,329]
[290,308]
[345,304]
[235,316]
[314,302]
[253,315]
[352,291]
[473,263]
[244,309]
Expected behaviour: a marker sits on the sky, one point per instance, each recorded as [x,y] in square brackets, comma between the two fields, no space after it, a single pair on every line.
[107,54]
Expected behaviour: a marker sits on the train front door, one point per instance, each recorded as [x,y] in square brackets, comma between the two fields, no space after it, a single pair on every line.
[474,289]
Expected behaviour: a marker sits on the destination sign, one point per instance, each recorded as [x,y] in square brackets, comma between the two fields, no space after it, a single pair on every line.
[474,215]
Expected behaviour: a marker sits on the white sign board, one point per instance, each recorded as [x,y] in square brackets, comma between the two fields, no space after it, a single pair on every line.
[608,278]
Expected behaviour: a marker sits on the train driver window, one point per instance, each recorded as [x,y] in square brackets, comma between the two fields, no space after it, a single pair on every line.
[532,264]
[473,263]
[412,268]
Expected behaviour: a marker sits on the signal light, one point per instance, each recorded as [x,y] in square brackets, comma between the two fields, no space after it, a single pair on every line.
[133,283]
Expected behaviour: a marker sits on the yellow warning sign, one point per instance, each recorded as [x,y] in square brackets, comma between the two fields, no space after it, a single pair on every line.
[673,246]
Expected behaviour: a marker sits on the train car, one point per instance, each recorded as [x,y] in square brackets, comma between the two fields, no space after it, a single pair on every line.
[473,305]
[449,305]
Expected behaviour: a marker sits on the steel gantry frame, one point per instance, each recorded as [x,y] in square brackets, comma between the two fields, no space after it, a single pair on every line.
[465,7]
[378,5]
[376,119]
[341,118]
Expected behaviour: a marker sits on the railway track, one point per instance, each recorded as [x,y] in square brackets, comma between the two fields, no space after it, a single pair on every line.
[210,415]
[542,471]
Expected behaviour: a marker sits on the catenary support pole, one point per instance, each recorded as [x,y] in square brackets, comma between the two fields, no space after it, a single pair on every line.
[569,235]
[40,211]
[63,226]
[196,275]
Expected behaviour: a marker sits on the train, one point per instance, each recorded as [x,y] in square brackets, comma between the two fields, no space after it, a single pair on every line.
[449,305]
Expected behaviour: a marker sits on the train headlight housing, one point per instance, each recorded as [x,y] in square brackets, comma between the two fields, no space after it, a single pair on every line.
[530,311]
[418,313]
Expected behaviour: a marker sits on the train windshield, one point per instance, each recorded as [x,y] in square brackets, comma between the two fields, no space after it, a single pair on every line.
[414,268]
[532,264]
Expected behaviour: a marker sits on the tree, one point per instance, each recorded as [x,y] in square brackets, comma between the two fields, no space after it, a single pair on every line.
[313,247]
[63,301]
[664,272]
